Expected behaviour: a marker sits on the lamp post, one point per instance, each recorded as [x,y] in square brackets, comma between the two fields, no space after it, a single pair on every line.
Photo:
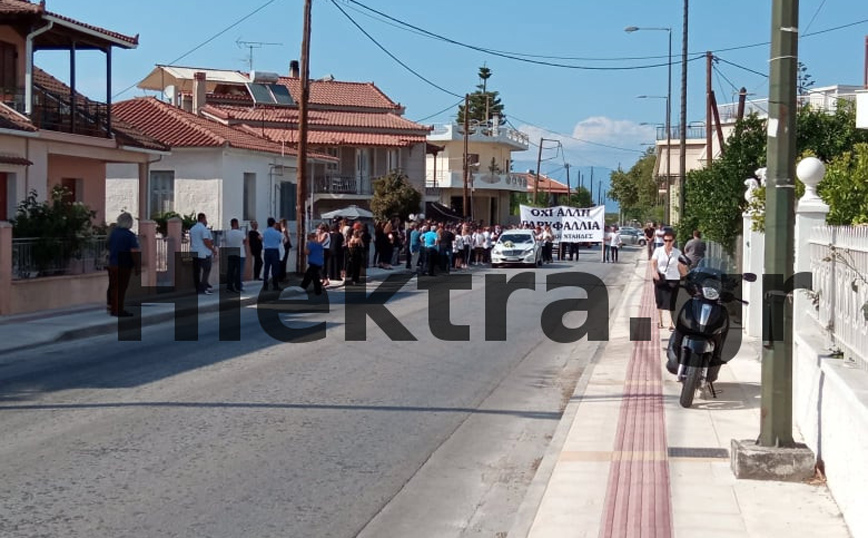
[667,201]
[631,29]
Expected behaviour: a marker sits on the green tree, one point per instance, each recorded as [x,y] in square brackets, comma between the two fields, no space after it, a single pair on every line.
[805,81]
[394,195]
[714,196]
[845,187]
[635,190]
[827,136]
[581,197]
[483,104]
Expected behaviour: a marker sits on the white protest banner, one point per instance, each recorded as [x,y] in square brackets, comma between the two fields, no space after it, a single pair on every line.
[569,224]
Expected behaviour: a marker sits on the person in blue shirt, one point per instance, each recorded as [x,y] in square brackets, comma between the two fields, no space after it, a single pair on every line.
[431,240]
[122,243]
[271,239]
[315,257]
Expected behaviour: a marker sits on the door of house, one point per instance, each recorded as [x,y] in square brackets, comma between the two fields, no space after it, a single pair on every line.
[4,198]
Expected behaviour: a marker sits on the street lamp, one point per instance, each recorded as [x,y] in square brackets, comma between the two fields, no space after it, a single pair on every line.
[631,29]
[667,199]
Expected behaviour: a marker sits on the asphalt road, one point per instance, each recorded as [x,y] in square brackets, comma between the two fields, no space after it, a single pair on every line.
[261,438]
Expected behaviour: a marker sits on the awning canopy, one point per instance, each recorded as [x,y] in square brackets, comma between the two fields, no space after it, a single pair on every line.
[351,212]
[181,78]
[438,211]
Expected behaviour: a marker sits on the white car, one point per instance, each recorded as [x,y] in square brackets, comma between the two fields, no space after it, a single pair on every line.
[516,247]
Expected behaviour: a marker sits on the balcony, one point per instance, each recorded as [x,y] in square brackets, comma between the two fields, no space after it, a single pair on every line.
[517,140]
[352,185]
[692,133]
[478,181]
[52,113]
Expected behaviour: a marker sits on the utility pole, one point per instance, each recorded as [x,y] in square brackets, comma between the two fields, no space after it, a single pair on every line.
[776,428]
[709,120]
[301,160]
[466,143]
[592,184]
[538,162]
[569,187]
[682,143]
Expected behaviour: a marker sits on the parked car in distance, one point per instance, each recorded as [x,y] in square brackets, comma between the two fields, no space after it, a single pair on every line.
[518,247]
[632,236]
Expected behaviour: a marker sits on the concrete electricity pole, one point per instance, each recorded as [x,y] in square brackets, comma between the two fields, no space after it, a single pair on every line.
[776,428]
[466,169]
[301,160]
[682,142]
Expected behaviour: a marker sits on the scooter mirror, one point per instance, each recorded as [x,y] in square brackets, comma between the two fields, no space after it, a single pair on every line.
[750,277]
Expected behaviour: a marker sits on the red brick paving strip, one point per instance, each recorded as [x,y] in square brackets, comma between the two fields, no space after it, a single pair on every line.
[638,497]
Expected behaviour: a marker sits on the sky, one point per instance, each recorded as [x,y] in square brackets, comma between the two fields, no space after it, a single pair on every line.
[592,116]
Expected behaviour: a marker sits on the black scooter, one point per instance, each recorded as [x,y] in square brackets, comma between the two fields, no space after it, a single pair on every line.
[695,348]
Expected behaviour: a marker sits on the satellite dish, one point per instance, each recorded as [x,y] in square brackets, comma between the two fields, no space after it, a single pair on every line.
[169,94]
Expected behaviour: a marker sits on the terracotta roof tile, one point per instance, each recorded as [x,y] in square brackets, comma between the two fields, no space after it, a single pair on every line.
[18,7]
[546,184]
[14,159]
[24,7]
[338,138]
[325,118]
[177,128]
[342,94]
[10,119]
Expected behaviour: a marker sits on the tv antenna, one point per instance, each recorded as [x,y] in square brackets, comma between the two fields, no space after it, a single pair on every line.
[250,45]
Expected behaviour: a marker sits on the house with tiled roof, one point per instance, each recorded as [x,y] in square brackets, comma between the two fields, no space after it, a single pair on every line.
[354,122]
[221,170]
[50,134]
[490,182]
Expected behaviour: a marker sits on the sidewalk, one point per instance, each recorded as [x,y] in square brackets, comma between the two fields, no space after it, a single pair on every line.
[25,331]
[628,461]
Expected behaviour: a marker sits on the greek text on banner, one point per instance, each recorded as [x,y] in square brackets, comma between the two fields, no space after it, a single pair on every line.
[569,224]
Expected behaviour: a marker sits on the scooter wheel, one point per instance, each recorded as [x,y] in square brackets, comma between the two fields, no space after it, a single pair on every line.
[689,386]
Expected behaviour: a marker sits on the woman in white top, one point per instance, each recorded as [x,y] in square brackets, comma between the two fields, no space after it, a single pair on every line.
[667,271]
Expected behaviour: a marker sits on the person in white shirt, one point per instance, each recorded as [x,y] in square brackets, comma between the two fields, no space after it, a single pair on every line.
[478,247]
[607,244]
[201,248]
[614,244]
[236,242]
[666,270]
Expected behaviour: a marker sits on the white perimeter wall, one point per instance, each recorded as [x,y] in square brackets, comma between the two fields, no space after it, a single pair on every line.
[209,181]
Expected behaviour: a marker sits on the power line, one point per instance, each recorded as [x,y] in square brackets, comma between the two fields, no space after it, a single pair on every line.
[440,112]
[571,137]
[500,54]
[749,70]
[527,57]
[808,27]
[202,44]
[392,56]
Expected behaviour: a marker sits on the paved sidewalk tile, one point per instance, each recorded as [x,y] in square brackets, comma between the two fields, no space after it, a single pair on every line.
[635,463]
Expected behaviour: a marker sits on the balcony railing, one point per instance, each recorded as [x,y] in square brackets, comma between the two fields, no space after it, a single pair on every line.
[692,133]
[52,257]
[342,185]
[54,113]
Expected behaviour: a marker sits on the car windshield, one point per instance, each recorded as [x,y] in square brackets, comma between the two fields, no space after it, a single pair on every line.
[516,238]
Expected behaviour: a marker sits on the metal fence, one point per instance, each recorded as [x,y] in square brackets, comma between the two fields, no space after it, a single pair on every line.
[839,263]
[717,257]
[39,257]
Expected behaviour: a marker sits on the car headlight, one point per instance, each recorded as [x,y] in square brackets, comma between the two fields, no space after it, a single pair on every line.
[710,289]
[527,251]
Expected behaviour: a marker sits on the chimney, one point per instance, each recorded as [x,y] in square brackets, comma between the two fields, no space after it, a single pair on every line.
[198,91]
[293,69]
